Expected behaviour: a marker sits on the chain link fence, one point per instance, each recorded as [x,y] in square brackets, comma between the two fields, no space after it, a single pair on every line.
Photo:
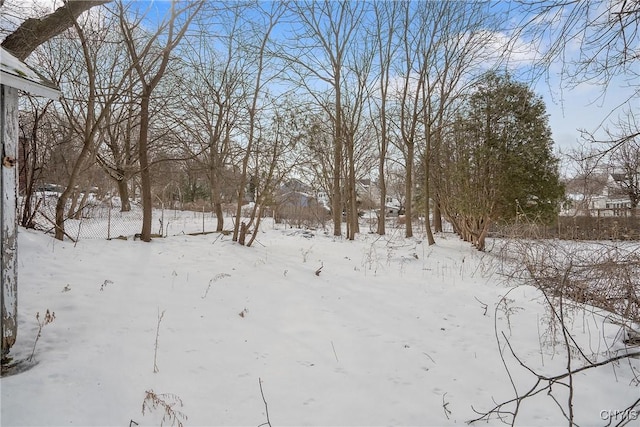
[105,220]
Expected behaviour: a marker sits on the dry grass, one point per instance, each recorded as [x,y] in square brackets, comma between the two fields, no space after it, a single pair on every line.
[600,274]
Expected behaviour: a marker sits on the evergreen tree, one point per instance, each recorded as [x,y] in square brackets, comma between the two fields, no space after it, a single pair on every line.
[512,134]
[499,159]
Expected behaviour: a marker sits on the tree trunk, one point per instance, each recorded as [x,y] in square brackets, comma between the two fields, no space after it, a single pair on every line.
[484,231]
[408,190]
[77,213]
[74,204]
[145,173]
[427,197]
[427,183]
[255,229]
[352,208]
[241,193]
[437,217]
[214,183]
[252,113]
[217,208]
[336,204]
[123,193]
[28,171]
[383,200]
[64,197]
[242,233]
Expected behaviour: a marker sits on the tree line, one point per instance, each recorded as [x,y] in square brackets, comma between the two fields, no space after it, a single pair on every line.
[219,99]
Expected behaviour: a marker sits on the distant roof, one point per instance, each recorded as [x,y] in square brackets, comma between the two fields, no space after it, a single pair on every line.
[619,177]
[17,74]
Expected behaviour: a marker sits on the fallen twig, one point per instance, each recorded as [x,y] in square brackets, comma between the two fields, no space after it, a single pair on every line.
[266,408]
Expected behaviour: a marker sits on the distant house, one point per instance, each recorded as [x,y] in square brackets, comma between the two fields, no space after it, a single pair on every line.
[613,198]
[299,208]
[294,184]
[295,198]
[323,198]
[294,193]
[365,187]
[393,207]
[599,195]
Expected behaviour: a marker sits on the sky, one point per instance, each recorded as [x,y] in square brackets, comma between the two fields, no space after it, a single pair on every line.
[586,107]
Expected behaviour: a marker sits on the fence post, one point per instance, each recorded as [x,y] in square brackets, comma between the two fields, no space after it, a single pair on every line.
[110,206]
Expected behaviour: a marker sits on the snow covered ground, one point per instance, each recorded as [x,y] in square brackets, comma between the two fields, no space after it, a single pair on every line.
[389,332]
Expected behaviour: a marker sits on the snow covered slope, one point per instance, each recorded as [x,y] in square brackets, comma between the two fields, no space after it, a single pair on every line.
[389,332]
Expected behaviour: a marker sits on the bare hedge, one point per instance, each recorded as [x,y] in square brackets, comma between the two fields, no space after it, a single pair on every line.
[574,228]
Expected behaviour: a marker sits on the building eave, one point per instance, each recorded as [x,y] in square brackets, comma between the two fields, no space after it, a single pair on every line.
[15,73]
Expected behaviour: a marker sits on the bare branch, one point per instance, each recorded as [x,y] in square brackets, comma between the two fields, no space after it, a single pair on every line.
[35,31]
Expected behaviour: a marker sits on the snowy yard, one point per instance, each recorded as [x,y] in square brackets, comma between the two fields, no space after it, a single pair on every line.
[389,332]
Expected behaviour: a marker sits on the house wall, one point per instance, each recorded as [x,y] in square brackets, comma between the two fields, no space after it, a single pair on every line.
[8,219]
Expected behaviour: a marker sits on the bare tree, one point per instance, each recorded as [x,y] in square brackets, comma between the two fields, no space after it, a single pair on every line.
[606,36]
[419,26]
[32,33]
[256,89]
[275,155]
[619,148]
[356,139]
[386,17]
[626,164]
[90,84]
[210,96]
[314,135]
[440,45]
[150,61]
[117,155]
[459,46]
[33,124]
[589,177]
[319,55]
